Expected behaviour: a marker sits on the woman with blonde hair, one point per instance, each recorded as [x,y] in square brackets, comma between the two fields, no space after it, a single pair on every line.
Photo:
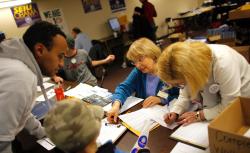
[142,80]
[210,76]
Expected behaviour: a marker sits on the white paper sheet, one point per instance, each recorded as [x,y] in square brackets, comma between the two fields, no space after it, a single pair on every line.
[46,143]
[184,148]
[110,132]
[247,134]
[130,102]
[136,119]
[45,79]
[194,133]
[50,94]
[84,90]
[46,86]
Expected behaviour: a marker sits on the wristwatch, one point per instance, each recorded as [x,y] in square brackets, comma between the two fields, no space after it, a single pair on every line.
[198,116]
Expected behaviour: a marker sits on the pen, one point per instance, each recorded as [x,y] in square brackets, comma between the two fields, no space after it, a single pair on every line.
[110,124]
[168,107]
[69,87]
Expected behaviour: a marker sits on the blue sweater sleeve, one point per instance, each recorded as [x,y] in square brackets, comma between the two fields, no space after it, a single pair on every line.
[126,88]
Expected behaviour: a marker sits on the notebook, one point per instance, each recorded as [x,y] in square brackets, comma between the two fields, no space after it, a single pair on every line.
[134,121]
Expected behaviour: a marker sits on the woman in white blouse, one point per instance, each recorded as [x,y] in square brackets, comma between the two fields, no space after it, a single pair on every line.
[210,75]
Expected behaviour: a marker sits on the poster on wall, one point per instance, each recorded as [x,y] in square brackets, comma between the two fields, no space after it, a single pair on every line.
[55,16]
[117,5]
[26,14]
[91,5]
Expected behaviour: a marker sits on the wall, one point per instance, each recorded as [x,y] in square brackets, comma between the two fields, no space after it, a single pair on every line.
[95,23]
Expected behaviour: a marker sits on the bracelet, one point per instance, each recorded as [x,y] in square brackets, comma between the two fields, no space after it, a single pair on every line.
[198,116]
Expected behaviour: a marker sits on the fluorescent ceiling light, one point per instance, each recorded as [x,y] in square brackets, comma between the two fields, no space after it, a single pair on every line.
[11,3]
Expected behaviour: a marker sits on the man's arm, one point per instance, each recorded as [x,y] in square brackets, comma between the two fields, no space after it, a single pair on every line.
[107,60]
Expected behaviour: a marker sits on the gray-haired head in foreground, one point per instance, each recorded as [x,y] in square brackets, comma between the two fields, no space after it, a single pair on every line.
[73,124]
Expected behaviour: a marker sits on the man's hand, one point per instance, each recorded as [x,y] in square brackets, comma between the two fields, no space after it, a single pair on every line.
[57,79]
[110,58]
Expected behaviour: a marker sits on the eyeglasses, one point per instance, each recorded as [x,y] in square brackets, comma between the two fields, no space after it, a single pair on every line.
[138,61]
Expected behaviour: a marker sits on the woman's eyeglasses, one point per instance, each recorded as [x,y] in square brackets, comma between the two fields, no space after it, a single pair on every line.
[138,61]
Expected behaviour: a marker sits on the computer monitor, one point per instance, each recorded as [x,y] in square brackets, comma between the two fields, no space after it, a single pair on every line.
[114,24]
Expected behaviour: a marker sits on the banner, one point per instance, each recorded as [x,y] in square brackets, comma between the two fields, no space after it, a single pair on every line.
[55,16]
[26,14]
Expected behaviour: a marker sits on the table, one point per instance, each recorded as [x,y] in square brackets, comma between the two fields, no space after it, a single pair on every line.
[198,19]
[159,141]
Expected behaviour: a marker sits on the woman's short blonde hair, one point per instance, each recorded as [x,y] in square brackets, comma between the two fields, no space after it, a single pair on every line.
[143,47]
[186,61]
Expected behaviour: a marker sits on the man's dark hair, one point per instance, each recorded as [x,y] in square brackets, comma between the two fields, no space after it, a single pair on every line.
[76,30]
[41,32]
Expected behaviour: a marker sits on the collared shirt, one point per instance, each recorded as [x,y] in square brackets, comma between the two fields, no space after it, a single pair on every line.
[82,41]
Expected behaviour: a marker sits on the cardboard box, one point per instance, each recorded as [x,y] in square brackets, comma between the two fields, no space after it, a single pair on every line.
[226,131]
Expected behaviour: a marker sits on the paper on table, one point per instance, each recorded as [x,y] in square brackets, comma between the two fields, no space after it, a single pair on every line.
[45,79]
[194,133]
[157,113]
[130,102]
[247,134]
[50,94]
[184,148]
[84,90]
[46,143]
[110,132]
[46,86]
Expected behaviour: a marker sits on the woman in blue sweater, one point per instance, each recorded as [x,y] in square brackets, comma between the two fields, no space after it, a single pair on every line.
[142,80]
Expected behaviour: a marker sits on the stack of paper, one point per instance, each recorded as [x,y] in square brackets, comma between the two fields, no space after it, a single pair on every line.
[194,133]
[84,90]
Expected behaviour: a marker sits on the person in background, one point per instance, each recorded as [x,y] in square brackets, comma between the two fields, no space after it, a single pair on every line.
[209,75]
[142,80]
[98,51]
[22,63]
[140,25]
[82,40]
[77,65]
[149,12]
[74,127]
[2,37]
